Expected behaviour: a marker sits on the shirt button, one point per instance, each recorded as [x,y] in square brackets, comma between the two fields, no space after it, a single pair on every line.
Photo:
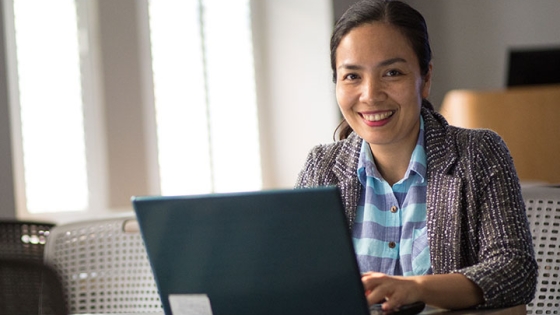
[392,244]
[394,209]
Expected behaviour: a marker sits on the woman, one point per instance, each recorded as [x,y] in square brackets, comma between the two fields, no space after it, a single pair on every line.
[435,211]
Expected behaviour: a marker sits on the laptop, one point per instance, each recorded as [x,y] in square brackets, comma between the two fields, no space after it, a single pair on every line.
[266,252]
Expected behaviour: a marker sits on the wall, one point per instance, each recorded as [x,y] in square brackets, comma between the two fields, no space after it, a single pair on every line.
[296,95]
[124,102]
[470,38]
[7,202]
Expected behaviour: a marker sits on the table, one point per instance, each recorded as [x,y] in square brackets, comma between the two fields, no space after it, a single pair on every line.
[515,310]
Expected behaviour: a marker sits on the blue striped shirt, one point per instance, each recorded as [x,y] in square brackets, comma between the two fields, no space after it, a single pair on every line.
[389,233]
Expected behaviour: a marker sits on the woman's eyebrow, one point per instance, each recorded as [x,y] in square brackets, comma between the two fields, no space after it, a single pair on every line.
[383,63]
[391,61]
[350,66]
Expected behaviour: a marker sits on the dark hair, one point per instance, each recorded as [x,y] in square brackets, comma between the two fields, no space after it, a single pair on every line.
[399,14]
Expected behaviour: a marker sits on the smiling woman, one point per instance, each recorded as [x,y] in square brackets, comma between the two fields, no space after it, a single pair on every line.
[426,202]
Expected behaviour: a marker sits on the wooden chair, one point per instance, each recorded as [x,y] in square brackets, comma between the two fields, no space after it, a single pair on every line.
[527,118]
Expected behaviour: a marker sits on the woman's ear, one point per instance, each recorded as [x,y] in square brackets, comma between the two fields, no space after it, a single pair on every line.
[427,83]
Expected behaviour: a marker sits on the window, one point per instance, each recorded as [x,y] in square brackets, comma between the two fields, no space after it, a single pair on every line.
[50,106]
[204,98]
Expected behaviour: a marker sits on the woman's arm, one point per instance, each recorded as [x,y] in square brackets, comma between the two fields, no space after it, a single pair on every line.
[504,268]
[449,291]
[477,222]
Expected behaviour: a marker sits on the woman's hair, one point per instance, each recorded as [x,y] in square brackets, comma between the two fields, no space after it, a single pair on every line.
[399,14]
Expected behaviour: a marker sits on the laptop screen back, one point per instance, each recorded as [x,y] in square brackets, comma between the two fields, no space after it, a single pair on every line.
[533,66]
[269,252]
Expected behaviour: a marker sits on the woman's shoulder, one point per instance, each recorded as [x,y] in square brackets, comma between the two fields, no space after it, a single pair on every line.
[326,163]
[464,150]
[329,151]
[458,137]
[482,153]
[479,134]
[476,139]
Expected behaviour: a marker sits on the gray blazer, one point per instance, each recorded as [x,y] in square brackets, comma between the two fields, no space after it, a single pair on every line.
[476,218]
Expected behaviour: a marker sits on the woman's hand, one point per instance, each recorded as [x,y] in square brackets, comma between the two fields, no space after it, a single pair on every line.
[391,291]
[449,291]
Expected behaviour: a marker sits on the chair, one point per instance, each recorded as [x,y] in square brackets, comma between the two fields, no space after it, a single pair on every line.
[30,287]
[543,212]
[525,117]
[23,239]
[104,267]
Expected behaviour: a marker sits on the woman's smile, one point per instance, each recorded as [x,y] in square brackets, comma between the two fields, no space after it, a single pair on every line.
[376,119]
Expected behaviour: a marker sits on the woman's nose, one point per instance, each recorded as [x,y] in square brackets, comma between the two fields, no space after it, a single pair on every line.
[372,91]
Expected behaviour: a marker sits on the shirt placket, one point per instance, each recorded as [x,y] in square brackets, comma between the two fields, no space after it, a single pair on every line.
[393,237]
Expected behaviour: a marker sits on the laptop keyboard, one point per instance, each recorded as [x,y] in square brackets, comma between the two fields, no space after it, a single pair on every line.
[409,309]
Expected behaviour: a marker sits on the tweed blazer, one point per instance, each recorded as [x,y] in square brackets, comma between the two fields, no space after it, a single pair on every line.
[476,219]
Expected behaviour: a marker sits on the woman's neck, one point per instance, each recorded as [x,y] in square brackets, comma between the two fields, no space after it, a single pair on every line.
[392,160]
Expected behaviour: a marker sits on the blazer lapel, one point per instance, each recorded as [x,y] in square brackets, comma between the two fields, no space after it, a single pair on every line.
[345,169]
[443,199]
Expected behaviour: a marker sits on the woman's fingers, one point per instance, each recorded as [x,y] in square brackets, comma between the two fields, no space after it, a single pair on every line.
[392,292]
[376,288]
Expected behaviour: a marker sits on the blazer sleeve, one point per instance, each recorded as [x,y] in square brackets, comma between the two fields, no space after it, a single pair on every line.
[506,270]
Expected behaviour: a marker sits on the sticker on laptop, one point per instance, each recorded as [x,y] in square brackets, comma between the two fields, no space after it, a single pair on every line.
[190,304]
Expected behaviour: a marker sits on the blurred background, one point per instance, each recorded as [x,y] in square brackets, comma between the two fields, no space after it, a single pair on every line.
[101,100]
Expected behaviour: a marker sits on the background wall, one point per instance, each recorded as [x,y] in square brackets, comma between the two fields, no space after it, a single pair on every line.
[295,93]
[7,201]
[471,38]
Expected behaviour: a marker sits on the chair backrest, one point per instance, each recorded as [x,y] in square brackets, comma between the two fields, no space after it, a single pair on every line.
[543,212]
[104,267]
[23,239]
[30,287]
[525,117]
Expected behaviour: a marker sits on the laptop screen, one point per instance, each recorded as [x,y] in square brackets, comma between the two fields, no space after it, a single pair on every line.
[267,252]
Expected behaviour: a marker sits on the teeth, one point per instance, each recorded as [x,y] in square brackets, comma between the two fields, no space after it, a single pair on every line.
[377,117]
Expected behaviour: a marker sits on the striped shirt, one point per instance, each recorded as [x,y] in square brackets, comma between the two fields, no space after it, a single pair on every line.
[389,232]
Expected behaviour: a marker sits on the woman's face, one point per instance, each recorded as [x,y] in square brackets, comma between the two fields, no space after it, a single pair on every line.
[379,87]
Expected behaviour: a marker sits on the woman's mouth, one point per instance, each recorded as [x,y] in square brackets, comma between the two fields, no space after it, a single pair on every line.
[375,117]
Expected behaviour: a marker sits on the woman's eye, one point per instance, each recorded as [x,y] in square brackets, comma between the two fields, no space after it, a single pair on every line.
[350,77]
[393,73]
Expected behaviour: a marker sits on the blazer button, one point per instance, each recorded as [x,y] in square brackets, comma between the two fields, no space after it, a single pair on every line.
[392,244]
[394,209]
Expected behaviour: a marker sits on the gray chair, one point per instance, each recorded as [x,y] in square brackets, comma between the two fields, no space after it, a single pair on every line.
[28,286]
[543,212]
[23,239]
[104,267]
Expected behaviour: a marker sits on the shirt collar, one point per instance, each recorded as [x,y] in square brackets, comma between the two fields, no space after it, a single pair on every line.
[418,161]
